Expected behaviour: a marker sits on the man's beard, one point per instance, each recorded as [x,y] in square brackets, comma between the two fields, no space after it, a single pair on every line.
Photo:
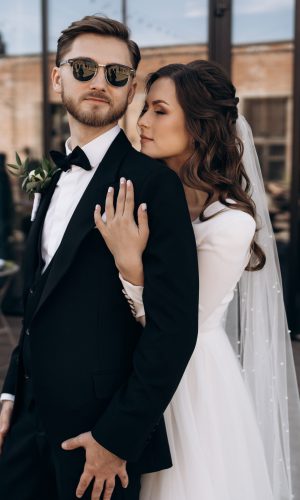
[92,118]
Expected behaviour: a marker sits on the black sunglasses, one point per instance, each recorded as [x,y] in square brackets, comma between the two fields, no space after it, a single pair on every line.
[85,69]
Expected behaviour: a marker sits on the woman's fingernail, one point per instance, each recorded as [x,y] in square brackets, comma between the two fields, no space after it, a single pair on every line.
[110,189]
[128,183]
[122,180]
[97,207]
[144,207]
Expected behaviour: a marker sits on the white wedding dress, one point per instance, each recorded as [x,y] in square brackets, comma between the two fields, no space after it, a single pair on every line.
[213,433]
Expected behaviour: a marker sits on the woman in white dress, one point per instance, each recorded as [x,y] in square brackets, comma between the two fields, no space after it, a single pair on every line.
[225,439]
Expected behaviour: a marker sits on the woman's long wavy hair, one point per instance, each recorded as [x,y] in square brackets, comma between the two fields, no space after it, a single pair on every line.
[207,98]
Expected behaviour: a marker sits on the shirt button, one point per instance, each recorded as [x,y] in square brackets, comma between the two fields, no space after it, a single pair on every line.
[26,376]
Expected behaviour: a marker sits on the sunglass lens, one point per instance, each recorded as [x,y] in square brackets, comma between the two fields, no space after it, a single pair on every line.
[117,75]
[84,69]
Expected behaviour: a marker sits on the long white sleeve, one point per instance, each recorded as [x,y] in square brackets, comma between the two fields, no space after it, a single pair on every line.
[134,296]
[223,244]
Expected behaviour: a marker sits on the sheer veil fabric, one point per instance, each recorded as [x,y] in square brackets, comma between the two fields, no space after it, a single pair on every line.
[257,328]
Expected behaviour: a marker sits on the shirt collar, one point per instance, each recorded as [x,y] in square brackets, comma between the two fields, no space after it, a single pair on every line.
[95,150]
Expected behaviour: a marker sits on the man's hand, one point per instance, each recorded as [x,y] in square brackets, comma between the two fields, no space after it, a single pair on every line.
[5,418]
[100,464]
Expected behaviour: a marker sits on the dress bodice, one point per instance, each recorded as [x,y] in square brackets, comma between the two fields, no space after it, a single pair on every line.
[223,244]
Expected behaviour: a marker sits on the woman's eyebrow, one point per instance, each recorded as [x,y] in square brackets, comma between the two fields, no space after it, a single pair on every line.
[159,101]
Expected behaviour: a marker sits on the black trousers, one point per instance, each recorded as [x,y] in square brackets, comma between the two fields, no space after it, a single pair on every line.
[32,469]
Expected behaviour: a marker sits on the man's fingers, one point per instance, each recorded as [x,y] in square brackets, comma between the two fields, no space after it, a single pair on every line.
[129,201]
[97,489]
[109,204]
[121,197]
[109,488]
[83,484]
[5,421]
[124,478]
[1,442]
[73,443]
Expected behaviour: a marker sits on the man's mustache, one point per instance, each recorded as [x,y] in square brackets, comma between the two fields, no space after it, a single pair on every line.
[97,95]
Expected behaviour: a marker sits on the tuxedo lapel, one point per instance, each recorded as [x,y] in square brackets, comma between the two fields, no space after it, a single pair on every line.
[82,221]
[32,253]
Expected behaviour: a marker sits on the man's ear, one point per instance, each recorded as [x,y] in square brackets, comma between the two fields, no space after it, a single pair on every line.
[132,91]
[56,80]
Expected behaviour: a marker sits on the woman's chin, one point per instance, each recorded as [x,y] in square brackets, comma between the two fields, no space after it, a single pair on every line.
[146,149]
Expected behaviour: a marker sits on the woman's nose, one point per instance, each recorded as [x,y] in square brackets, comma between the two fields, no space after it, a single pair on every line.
[143,121]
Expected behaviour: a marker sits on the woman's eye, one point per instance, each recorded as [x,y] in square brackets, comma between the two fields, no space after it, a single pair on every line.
[159,112]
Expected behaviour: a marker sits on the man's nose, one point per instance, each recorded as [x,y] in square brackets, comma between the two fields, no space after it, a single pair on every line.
[99,81]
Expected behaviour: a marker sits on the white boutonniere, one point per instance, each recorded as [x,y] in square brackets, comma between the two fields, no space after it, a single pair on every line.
[34,181]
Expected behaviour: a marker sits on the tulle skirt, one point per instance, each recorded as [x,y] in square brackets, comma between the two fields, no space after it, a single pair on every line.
[213,434]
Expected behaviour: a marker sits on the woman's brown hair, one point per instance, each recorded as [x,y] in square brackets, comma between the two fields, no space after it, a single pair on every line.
[208,99]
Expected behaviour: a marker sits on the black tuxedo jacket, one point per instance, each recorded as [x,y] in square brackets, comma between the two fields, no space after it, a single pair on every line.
[93,366]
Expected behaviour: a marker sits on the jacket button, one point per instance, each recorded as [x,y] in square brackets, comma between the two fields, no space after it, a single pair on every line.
[26,376]
[27,331]
[31,291]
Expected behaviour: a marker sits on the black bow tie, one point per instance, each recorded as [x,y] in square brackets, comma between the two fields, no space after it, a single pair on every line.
[65,162]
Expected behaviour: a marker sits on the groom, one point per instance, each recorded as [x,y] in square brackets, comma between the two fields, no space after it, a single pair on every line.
[84,396]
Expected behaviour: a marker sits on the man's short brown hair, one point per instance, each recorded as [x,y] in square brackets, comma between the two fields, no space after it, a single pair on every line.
[100,26]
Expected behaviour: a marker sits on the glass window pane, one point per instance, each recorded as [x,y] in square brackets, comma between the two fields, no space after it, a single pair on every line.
[276,170]
[16,18]
[268,116]
[262,20]
[62,14]
[171,22]
[278,150]
[173,31]
[21,86]
[262,64]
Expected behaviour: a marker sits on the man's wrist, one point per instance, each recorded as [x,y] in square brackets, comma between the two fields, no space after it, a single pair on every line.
[6,397]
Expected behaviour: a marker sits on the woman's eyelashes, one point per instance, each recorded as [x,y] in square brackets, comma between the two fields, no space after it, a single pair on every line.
[157,111]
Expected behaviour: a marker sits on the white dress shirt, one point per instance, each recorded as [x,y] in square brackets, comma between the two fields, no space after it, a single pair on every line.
[69,190]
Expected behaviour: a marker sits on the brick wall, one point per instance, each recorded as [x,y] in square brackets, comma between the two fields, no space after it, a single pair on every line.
[258,70]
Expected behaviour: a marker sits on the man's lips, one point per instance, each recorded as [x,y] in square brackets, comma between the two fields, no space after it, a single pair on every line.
[96,99]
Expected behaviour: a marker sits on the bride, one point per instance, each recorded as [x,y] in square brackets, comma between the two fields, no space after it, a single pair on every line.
[233,423]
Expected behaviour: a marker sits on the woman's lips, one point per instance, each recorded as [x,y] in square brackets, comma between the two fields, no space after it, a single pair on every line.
[145,139]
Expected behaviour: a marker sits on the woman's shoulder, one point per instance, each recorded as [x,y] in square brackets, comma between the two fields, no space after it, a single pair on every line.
[228,226]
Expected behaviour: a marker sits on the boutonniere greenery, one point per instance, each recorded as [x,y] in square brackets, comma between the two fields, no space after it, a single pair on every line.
[34,181]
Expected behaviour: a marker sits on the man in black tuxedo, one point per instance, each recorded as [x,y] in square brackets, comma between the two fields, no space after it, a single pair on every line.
[86,388]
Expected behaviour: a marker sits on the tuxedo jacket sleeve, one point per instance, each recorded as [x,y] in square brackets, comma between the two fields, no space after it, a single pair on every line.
[171,306]
[10,382]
